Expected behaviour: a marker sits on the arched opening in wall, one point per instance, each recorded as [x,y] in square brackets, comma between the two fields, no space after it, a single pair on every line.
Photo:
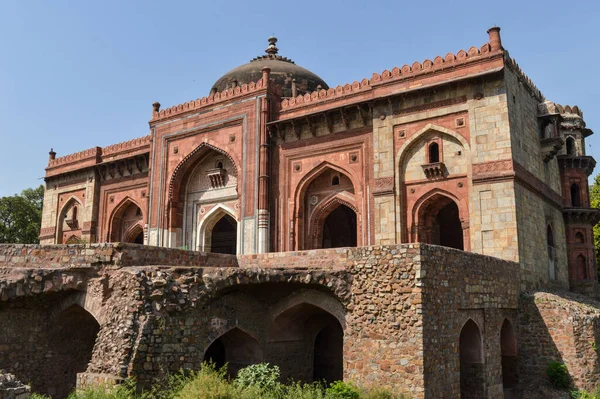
[318,199]
[207,176]
[581,273]
[339,228]
[434,153]
[306,342]
[125,218]
[510,364]
[547,130]
[579,238]
[72,340]
[570,146]
[236,348]
[135,234]
[439,222]
[69,227]
[551,253]
[472,379]
[575,196]
[224,236]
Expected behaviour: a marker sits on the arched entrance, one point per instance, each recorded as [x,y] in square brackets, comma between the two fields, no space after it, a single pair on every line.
[72,340]
[126,223]
[306,342]
[472,379]
[224,236]
[510,364]
[339,228]
[69,224]
[326,214]
[439,222]
[236,348]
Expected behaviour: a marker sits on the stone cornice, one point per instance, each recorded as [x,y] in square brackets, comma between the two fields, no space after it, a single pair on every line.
[587,163]
[581,215]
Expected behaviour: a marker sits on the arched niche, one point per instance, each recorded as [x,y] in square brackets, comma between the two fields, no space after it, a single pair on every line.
[306,342]
[325,189]
[236,348]
[218,231]
[437,219]
[510,364]
[126,223]
[472,376]
[69,222]
[72,337]
[206,177]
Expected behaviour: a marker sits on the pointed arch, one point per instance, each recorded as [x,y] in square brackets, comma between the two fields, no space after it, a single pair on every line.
[312,297]
[88,302]
[435,208]
[323,210]
[303,234]
[472,376]
[72,202]
[236,347]
[132,234]
[403,228]
[186,163]
[116,227]
[508,352]
[208,222]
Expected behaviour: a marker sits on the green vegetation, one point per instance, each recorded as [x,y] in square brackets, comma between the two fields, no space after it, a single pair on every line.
[595,203]
[256,381]
[21,217]
[586,395]
[558,375]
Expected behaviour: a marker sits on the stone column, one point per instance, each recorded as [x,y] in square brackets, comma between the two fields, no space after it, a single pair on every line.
[263,171]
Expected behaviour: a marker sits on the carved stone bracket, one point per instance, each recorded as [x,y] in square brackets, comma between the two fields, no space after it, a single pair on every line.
[582,215]
[434,170]
[550,147]
[72,223]
[586,163]
[218,177]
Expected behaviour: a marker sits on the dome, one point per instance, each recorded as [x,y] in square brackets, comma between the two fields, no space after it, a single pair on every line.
[283,70]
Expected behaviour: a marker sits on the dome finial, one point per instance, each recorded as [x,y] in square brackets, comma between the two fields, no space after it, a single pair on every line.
[272,49]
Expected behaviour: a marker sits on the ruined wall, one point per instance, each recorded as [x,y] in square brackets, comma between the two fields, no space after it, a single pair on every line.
[561,327]
[458,286]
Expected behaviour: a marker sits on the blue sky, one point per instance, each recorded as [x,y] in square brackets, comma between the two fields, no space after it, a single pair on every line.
[79,74]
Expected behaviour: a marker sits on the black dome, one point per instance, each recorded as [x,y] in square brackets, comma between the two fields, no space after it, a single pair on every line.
[283,70]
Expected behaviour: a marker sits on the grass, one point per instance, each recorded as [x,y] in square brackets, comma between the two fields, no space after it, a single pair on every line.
[209,383]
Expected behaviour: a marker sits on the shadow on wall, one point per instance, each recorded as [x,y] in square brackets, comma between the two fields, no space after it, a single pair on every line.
[537,345]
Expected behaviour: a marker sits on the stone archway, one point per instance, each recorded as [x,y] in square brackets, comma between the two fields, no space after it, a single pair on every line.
[472,378]
[72,338]
[338,229]
[126,222]
[510,363]
[306,342]
[439,222]
[236,348]
[218,231]
[69,223]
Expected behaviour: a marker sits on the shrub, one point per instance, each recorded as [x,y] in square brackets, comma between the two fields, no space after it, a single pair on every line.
[342,390]
[558,375]
[207,383]
[262,376]
[586,395]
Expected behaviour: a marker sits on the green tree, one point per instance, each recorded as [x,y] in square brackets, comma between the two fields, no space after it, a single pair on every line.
[595,203]
[21,216]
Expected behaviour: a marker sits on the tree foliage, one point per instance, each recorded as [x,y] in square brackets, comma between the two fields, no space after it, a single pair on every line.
[595,203]
[21,216]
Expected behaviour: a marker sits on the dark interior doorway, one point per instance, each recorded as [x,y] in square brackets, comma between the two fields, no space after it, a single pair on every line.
[328,354]
[224,236]
[139,239]
[215,354]
[510,364]
[448,227]
[339,228]
[73,339]
[472,378]
[236,348]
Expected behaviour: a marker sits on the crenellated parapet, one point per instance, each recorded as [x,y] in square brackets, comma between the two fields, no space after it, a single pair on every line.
[417,69]
[212,99]
[126,146]
[512,64]
[90,153]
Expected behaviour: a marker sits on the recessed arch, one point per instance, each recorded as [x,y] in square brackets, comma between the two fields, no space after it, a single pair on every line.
[439,218]
[472,376]
[570,144]
[323,211]
[135,234]
[125,216]
[508,350]
[74,227]
[236,348]
[306,213]
[207,224]
[575,195]
[403,227]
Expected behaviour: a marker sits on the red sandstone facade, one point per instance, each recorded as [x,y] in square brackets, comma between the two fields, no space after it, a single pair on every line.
[462,151]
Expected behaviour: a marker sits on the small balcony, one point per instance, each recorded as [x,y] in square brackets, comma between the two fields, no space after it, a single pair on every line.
[72,223]
[434,170]
[217,177]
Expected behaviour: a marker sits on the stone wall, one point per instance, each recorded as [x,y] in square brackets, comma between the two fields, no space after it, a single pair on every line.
[563,327]
[11,388]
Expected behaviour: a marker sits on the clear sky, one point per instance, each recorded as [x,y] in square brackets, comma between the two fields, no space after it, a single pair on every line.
[79,74]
